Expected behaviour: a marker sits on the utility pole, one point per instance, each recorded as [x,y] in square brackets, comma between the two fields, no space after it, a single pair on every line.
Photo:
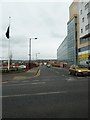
[30,51]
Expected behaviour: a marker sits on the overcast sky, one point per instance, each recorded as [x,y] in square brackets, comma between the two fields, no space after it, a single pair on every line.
[47,21]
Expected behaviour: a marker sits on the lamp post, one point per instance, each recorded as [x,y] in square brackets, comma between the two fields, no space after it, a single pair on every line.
[30,51]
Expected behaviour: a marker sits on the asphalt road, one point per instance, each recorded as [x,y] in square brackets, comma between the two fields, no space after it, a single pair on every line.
[52,94]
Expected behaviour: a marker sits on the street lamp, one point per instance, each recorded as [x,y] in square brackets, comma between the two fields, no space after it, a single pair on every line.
[30,51]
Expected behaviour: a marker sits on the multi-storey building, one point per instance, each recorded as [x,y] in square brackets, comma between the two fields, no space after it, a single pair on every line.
[72,36]
[84,23]
[62,51]
[72,40]
[73,32]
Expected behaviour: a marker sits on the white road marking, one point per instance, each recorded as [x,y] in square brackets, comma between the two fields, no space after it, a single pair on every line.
[21,84]
[13,81]
[82,77]
[39,83]
[4,82]
[34,94]
[35,80]
[10,82]
[24,81]
[70,79]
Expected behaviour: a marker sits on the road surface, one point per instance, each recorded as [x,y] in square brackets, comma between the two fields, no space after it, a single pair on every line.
[51,94]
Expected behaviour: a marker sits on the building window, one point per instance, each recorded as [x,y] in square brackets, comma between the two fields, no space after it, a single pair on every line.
[88,15]
[81,30]
[83,19]
[87,27]
[87,6]
[84,48]
[83,40]
[80,11]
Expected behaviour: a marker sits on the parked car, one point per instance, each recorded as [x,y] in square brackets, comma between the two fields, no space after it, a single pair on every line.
[21,67]
[79,70]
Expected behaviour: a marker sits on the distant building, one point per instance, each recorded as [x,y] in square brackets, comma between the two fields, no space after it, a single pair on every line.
[84,22]
[62,51]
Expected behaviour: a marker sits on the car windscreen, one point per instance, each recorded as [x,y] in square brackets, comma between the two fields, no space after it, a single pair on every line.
[81,66]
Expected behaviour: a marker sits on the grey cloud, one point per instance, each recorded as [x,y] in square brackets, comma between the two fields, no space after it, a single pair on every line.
[45,21]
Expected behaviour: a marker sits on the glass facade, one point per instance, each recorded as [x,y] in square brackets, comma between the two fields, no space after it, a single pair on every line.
[67,51]
[62,51]
[72,41]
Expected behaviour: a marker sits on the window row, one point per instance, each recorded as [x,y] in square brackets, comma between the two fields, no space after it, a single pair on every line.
[88,16]
[83,40]
[84,48]
[86,7]
[87,27]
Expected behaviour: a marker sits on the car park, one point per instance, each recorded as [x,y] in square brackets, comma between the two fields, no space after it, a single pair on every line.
[79,70]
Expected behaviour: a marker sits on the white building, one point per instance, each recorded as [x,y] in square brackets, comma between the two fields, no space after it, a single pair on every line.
[84,31]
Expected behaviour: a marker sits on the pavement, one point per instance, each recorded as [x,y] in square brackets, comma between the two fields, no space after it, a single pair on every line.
[20,76]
